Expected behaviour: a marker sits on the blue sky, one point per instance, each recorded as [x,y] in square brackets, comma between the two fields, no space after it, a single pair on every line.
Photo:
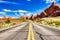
[17,8]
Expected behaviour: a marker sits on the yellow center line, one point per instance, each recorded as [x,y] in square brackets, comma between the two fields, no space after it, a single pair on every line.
[33,35]
[30,33]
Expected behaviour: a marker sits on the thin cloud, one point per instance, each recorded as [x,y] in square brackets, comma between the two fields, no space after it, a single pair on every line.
[22,11]
[22,14]
[3,13]
[50,1]
[8,2]
[17,14]
[25,13]
[6,10]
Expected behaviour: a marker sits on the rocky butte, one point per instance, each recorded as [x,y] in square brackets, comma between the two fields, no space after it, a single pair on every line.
[52,11]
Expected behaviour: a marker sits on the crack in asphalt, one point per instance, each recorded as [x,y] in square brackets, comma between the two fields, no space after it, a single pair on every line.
[40,35]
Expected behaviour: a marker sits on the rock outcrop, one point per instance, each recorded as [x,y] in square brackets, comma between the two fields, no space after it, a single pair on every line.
[52,11]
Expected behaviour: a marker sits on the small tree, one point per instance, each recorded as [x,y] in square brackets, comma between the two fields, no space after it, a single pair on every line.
[7,21]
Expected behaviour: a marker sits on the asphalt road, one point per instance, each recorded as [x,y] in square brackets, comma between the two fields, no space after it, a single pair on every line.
[36,32]
[18,33]
[46,33]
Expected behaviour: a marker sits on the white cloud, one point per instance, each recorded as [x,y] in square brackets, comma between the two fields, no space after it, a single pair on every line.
[19,12]
[3,13]
[6,10]
[22,11]
[8,2]
[28,0]
[50,1]
[1,16]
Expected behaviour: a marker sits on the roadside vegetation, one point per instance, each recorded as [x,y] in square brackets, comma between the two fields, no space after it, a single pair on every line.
[9,23]
[52,21]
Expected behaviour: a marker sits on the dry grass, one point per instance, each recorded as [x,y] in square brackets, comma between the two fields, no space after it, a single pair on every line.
[53,21]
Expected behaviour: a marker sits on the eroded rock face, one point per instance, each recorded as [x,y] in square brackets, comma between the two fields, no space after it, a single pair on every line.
[33,18]
[52,11]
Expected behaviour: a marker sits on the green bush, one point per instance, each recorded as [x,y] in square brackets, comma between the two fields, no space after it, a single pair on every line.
[54,23]
[14,23]
[7,21]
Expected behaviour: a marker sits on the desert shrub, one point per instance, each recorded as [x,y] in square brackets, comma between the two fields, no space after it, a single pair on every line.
[7,21]
[54,23]
[14,23]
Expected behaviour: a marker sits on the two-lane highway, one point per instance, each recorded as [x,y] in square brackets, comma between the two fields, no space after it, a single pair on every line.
[31,31]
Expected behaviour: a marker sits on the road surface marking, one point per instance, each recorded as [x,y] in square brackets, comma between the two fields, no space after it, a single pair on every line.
[30,33]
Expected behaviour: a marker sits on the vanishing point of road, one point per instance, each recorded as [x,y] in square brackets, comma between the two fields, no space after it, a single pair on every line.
[30,31]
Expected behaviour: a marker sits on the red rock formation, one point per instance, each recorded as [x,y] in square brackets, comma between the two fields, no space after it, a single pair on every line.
[52,11]
[33,18]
